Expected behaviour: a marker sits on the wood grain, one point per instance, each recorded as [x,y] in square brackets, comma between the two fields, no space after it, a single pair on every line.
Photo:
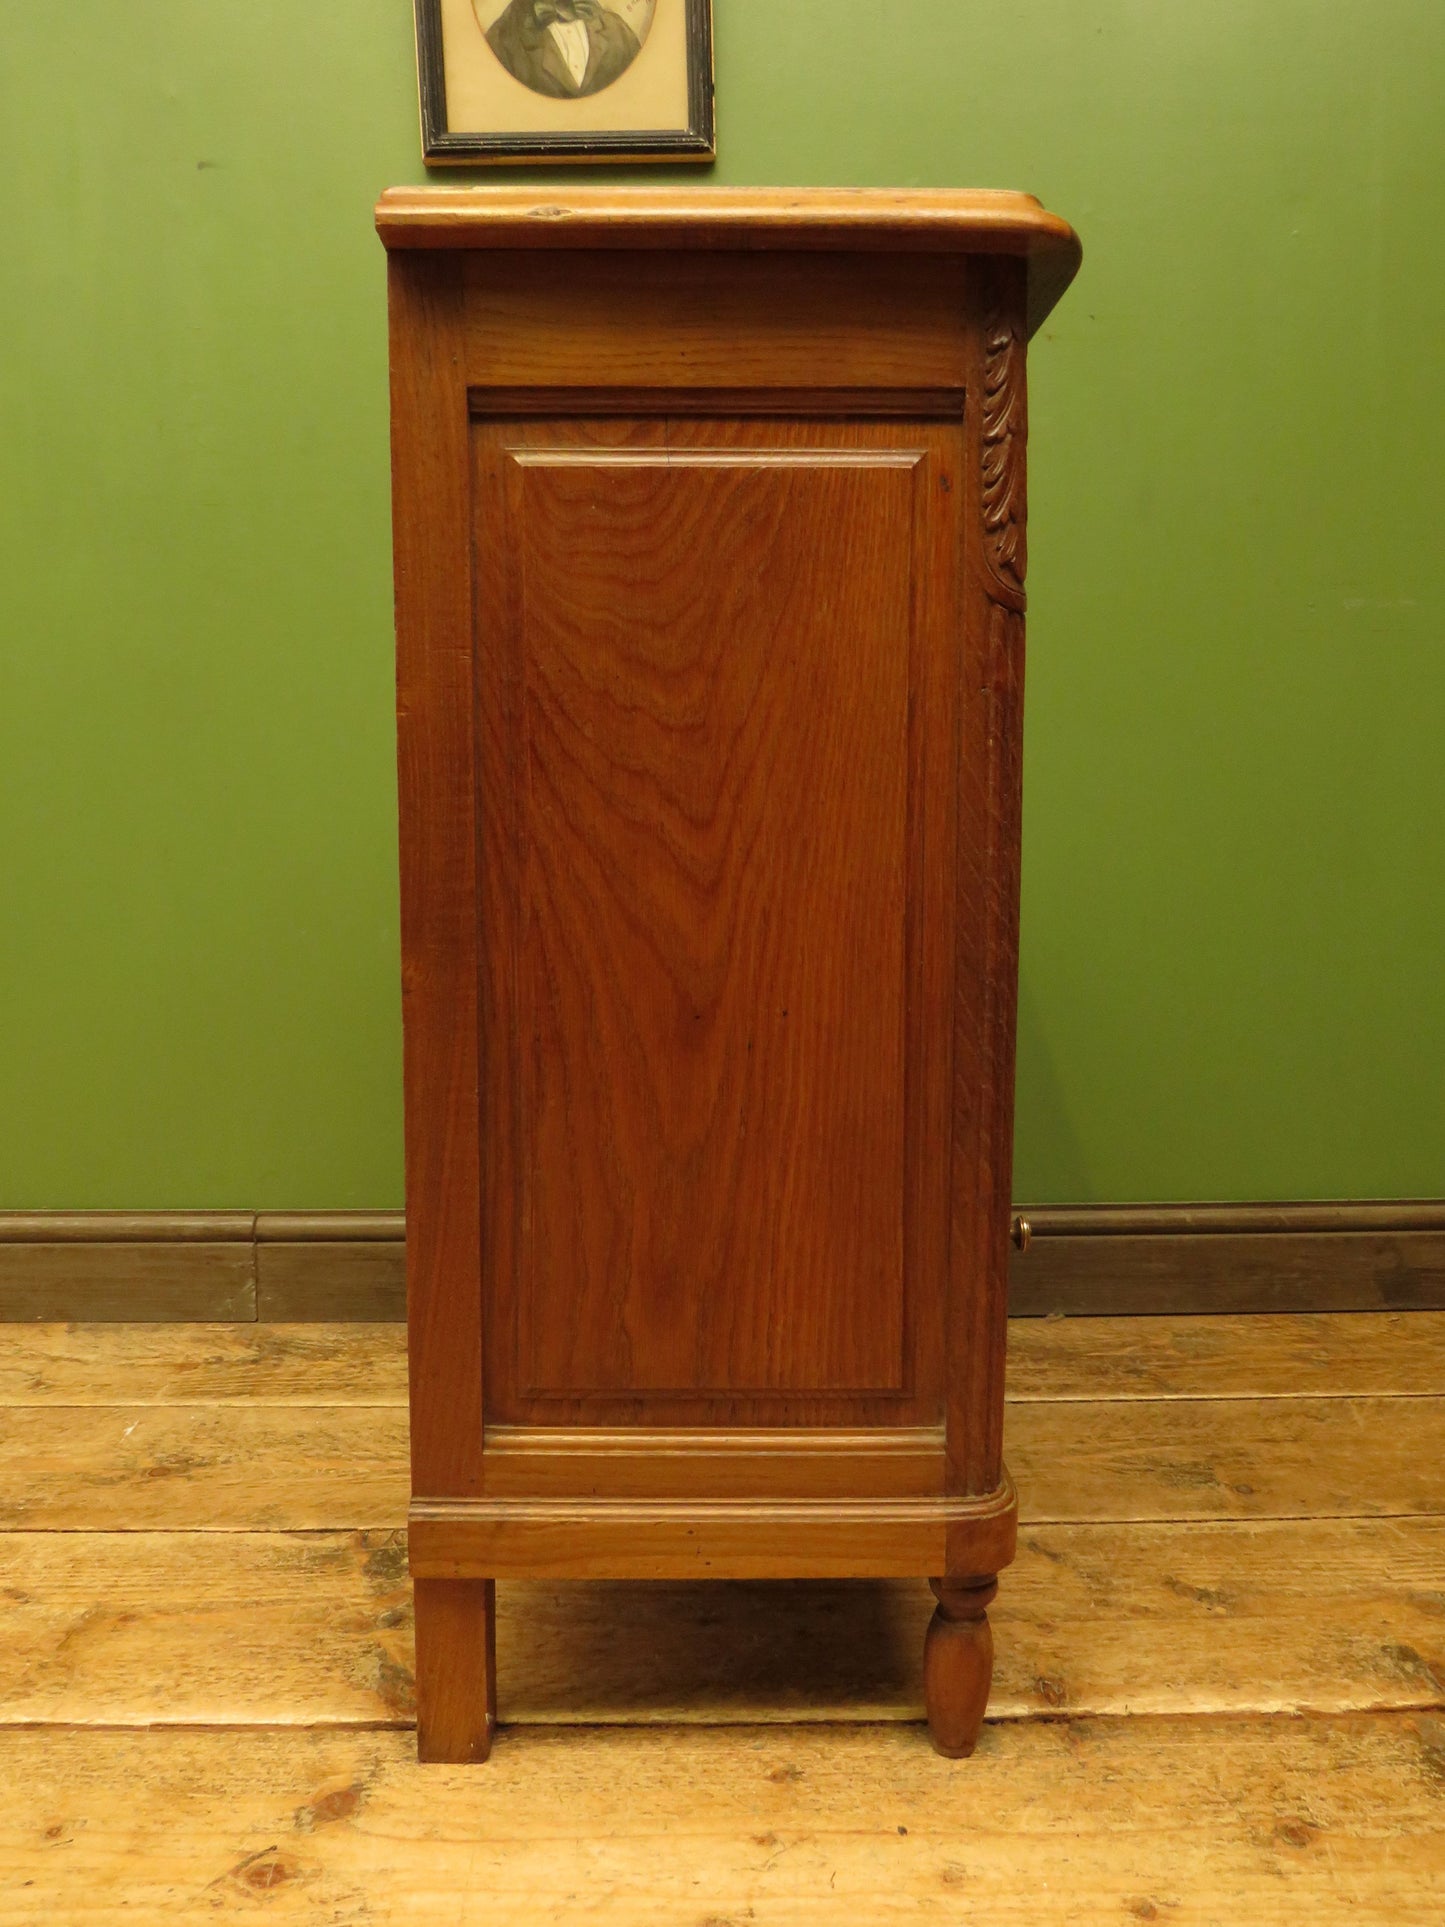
[910,221]
[431,546]
[1363,1354]
[985,854]
[1073,1813]
[198,1364]
[122,1279]
[299,1628]
[1227,1458]
[1138,1259]
[710,1462]
[200,1265]
[687,324]
[958,1665]
[222,1467]
[239,1466]
[126,1227]
[456,1669]
[1324,1270]
[710,773]
[1256,1219]
[1343,1355]
[958,220]
[1336,1822]
[758,1538]
[314,1280]
[137,1628]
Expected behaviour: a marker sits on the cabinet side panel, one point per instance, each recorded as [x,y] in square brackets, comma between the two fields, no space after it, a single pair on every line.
[431,535]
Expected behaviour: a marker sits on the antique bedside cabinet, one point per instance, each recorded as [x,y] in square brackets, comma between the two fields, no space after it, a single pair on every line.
[709,541]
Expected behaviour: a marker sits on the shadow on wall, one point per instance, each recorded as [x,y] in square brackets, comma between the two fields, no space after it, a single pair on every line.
[1044,1135]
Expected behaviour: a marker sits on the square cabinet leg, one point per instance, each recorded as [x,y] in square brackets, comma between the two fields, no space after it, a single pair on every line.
[456,1668]
[958,1663]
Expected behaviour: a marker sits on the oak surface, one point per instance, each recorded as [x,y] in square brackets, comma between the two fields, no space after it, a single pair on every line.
[710,554]
[705,784]
[982,221]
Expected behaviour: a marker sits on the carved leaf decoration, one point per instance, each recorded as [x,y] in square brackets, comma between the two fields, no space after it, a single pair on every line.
[1005,431]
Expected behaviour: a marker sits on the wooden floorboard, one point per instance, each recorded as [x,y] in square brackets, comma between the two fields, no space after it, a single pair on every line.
[1281,1823]
[1345,1355]
[307,1628]
[202,1364]
[242,1466]
[1220,1688]
[1227,1458]
[224,1467]
[1333,1355]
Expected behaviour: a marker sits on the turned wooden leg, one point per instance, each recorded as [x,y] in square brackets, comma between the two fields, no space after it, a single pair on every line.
[456,1668]
[958,1663]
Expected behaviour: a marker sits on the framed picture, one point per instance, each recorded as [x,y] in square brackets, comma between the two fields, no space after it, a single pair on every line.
[565,80]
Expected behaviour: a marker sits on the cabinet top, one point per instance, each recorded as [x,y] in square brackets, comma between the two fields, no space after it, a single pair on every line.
[901,220]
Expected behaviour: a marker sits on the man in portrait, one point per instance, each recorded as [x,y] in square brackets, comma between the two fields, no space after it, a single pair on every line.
[566,48]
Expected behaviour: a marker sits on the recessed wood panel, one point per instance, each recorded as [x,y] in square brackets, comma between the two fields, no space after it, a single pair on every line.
[697,647]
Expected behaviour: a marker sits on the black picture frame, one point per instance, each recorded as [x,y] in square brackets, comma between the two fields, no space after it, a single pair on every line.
[444,146]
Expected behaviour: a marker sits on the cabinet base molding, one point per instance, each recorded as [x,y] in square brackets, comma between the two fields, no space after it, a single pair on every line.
[712,1462]
[705,1538]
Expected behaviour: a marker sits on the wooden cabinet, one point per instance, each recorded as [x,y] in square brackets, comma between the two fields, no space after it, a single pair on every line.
[709,516]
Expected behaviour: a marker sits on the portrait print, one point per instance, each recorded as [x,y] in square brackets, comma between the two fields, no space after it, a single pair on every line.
[542,80]
[565,48]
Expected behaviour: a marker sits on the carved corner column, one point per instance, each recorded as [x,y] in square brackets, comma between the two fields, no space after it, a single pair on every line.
[1003,488]
[991,808]
[958,1648]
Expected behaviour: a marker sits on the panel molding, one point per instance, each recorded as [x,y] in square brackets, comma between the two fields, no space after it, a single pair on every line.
[804,404]
[618,1462]
[675,458]
[350,1266]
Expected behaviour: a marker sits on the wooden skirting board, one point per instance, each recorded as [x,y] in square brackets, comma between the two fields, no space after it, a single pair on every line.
[1112,1260]
[310,1266]
[216,1266]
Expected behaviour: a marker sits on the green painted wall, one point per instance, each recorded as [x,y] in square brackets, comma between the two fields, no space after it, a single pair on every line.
[1235,837]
